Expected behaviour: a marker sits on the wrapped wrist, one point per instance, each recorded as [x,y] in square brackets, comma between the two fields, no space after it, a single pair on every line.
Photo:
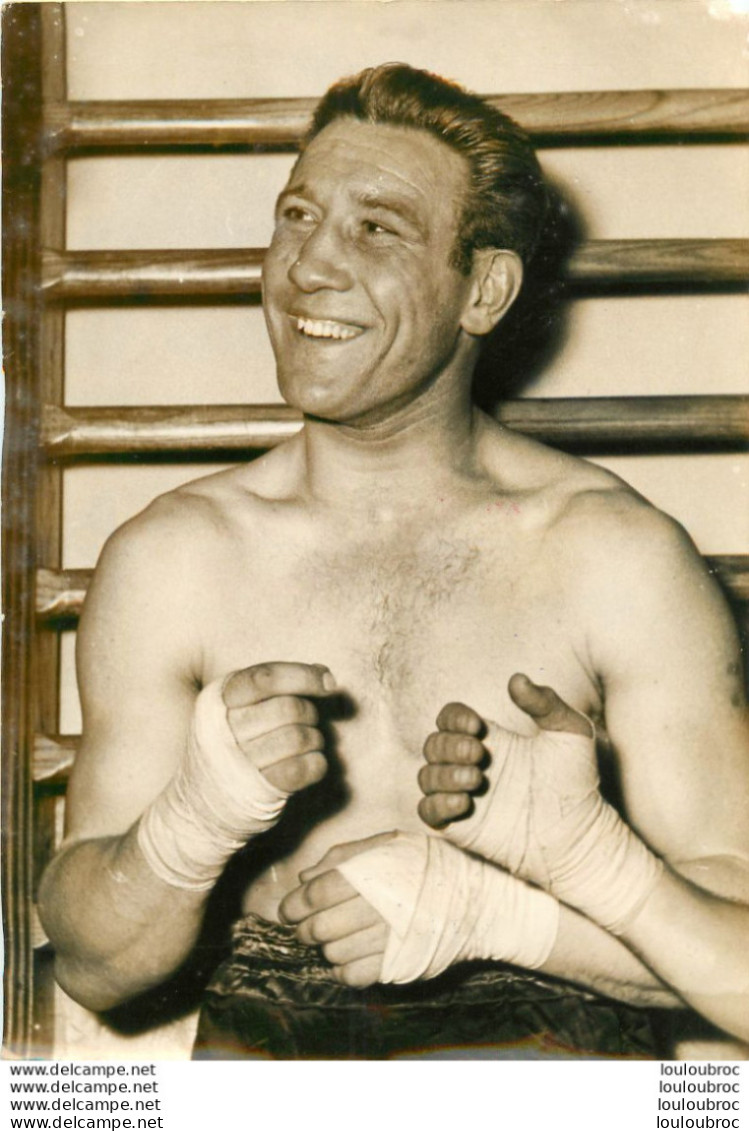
[216,801]
[545,821]
[443,906]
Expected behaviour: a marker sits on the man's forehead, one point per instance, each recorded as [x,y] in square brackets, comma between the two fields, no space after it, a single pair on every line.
[374,159]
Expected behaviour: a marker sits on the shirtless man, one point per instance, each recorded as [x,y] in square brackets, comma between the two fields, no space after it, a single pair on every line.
[401,553]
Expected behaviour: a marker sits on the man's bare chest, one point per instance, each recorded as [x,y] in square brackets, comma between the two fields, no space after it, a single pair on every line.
[403,627]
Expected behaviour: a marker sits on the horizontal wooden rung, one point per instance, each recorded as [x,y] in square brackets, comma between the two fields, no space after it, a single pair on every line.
[60,593]
[53,757]
[106,275]
[580,423]
[683,262]
[127,274]
[75,432]
[563,118]
[732,570]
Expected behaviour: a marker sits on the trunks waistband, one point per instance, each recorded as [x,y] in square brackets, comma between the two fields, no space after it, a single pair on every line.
[277,997]
[268,955]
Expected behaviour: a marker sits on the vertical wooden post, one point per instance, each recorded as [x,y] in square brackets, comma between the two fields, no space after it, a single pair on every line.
[21,47]
[51,358]
[49,487]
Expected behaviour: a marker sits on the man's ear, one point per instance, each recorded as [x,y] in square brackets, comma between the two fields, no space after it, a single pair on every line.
[497,276]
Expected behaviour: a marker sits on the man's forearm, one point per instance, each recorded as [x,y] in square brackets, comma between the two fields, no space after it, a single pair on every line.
[696,941]
[692,939]
[124,912]
[116,927]
[589,956]
[441,905]
[544,820]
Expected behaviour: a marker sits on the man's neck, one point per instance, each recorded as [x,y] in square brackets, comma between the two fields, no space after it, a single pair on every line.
[395,466]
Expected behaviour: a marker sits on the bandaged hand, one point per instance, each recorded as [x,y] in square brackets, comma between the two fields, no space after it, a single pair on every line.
[536,808]
[405,906]
[253,741]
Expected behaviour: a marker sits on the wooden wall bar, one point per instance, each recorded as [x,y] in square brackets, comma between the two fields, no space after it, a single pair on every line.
[639,423]
[105,275]
[732,570]
[75,432]
[21,48]
[659,262]
[128,274]
[60,593]
[552,119]
[585,423]
[53,758]
[48,548]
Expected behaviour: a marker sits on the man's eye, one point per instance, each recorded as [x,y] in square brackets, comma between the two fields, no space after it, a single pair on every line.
[372,228]
[296,214]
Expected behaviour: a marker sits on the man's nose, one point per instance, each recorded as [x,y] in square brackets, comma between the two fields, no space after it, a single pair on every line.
[321,263]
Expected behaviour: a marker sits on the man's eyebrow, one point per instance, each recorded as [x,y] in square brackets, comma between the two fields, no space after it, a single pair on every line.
[396,203]
[386,201]
[299,189]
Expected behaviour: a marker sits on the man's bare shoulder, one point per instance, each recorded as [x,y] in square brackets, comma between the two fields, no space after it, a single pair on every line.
[641,591]
[624,552]
[611,527]
[153,585]
[568,496]
[598,530]
[199,515]
[157,563]
[519,464]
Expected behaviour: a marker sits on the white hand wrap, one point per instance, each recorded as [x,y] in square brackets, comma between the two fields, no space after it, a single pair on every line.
[443,906]
[215,802]
[544,819]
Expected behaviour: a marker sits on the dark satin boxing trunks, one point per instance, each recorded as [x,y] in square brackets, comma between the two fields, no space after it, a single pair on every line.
[274,998]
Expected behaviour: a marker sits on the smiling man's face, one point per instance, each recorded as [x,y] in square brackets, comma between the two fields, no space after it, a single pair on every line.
[363,307]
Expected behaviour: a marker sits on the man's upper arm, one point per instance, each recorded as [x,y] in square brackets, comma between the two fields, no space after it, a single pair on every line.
[665,646]
[135,662]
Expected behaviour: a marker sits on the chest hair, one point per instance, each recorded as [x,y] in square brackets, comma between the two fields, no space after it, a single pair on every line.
[389,595]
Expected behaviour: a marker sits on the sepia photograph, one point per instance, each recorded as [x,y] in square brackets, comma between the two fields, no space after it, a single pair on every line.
[376,530]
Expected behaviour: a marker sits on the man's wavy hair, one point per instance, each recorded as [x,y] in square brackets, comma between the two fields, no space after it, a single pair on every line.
[506,201]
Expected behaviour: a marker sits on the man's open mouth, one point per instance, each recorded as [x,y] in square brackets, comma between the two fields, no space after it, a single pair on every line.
[335,331]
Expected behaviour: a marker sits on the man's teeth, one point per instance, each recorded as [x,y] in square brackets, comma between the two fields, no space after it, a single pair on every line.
[338,330]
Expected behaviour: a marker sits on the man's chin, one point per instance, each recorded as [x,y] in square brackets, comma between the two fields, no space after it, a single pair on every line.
[315,404]
[328,414]
[331,416]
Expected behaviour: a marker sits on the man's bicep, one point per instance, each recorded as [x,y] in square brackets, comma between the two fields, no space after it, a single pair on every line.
[137,692]
[675,705]
[685,781]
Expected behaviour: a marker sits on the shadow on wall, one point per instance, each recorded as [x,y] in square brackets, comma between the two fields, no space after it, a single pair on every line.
[535,329]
